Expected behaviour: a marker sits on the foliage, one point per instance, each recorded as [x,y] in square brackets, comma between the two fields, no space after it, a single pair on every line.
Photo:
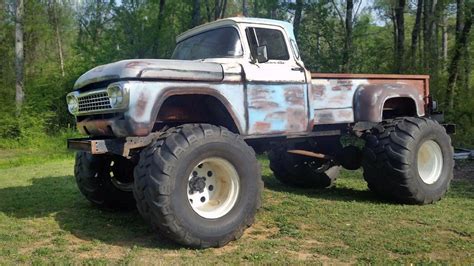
[93,32]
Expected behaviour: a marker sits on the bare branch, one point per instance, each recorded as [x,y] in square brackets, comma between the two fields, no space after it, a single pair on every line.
[338,13]
[357,11]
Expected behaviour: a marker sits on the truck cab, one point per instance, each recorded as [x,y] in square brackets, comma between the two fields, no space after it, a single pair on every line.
[275,82]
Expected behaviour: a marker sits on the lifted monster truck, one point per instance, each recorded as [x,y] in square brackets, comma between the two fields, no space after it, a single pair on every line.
[177,137]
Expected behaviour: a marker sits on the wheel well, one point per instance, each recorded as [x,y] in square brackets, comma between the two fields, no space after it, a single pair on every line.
[183,109]
[400,106]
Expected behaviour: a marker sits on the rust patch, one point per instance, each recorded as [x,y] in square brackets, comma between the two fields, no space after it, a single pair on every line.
[324,117]
[263,104]
[137,64]
[141,104]
[262,127]
[366,76]
[259,93]
[345,114]
[294,96]
[317,91]
[341,99]
[296,119]
[260,98]
[343,85]
[279,115]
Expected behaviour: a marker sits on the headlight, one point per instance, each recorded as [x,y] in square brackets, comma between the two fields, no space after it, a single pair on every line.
[116,94]
[72,103]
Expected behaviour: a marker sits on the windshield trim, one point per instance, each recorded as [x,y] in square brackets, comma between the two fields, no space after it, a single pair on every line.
[216,28]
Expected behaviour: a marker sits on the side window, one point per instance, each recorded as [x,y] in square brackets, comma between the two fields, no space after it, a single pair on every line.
[274,40]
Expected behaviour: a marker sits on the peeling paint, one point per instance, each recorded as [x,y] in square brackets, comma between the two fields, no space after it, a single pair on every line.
[277,108]
[264,106]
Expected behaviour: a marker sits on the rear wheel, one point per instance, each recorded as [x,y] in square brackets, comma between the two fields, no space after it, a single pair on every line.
[409,160]
[106,181]
[300,171]
[199,186]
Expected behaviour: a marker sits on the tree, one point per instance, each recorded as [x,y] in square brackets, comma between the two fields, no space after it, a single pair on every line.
[196,13]
[459,17]
[245,8]
[346,57]
[444,38]
[459,49]
[347,23]
[416,31]
[54,10]
[19,56]
[297,19]
[219,9]
[430,53]
[400,35]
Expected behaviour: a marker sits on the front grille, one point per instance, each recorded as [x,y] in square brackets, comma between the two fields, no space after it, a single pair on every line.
[94,101]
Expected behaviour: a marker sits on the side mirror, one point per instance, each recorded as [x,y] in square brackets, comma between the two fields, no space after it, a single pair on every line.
[262,55]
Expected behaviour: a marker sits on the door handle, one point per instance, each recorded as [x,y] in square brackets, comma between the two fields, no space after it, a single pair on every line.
[300,69]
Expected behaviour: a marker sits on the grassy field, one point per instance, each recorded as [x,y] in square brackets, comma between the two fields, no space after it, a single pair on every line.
[44,219]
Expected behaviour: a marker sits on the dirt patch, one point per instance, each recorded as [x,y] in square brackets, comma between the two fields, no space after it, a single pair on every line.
[227,249]
[259,231]
[304,255]
[111,253]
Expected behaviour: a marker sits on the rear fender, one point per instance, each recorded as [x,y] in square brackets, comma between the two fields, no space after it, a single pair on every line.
[369,100]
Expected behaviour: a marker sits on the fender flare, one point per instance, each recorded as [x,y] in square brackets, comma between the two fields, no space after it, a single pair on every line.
[369,100]
[178,91]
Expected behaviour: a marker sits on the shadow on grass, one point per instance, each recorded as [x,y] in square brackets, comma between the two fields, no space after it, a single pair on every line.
[461,189]
[333,193]
[59,197]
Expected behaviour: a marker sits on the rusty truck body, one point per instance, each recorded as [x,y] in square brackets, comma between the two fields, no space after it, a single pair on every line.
[241,82]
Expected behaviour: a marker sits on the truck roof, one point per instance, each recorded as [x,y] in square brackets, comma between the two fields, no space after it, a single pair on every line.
[232,21]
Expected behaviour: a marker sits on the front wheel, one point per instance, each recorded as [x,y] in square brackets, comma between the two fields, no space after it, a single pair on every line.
[409,160]
[105,180]
[199,186]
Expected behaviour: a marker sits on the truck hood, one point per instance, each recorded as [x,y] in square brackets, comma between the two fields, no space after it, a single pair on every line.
[153,69]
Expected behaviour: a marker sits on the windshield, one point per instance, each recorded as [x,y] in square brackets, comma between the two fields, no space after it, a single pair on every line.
[218,43]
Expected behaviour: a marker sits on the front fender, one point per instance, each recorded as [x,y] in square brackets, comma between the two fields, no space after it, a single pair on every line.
[369,100]
[147,97]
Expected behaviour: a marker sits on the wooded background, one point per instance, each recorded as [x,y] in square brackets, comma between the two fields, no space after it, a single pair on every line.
[45,45]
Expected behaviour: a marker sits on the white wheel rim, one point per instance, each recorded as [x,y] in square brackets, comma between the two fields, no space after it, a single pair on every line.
[430,161]
[213,188]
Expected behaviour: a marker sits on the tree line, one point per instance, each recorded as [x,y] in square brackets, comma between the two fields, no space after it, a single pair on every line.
[46,44]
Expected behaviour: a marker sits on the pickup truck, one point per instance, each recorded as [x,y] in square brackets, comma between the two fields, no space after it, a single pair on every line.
[177,138]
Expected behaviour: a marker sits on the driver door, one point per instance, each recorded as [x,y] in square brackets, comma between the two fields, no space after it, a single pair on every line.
[276,89]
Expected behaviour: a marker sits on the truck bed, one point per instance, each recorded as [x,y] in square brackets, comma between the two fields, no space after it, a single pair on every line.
[336,98]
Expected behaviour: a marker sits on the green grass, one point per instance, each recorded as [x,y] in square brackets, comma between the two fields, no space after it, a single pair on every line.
[44,219]
[39,149]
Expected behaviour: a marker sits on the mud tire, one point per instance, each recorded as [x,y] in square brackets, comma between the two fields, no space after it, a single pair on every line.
[161,185]
[93,178]
[390,160]
[299,171]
